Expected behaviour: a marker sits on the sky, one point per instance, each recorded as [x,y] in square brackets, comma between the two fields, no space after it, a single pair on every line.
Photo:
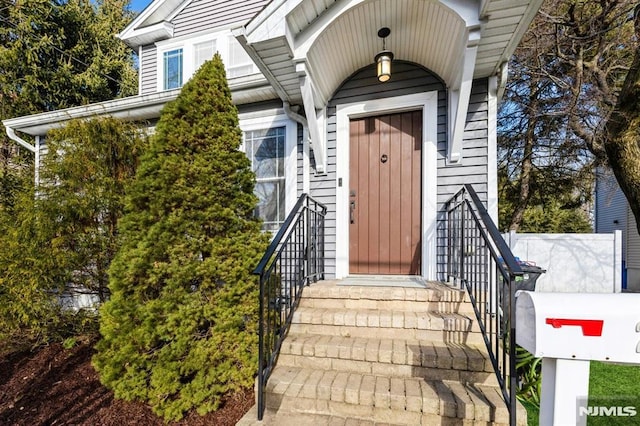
[138,5]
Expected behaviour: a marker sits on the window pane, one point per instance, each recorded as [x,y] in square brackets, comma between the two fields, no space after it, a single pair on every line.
[271,204]
[267,152]
[265,148]
[203,52]
[239,61]
[173,69]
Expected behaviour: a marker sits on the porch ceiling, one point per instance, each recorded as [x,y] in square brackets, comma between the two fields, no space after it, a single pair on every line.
[336,38]
[423,32]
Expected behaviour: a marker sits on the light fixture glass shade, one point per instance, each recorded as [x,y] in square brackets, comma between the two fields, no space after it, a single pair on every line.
[383,64]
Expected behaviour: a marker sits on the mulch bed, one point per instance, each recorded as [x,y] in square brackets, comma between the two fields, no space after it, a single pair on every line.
[53,386]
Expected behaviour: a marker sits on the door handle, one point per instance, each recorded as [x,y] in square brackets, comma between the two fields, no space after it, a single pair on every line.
[352,210]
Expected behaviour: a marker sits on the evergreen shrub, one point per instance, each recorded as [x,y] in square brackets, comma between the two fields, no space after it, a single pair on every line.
[180,329]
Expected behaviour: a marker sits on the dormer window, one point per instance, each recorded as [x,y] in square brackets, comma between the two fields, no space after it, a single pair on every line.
[239,63]
[179,59]
[203,52]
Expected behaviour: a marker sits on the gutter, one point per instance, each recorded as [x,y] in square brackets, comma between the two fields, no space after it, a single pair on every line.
[12,135]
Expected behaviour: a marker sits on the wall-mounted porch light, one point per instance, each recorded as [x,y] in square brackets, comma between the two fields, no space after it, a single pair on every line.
[383,59]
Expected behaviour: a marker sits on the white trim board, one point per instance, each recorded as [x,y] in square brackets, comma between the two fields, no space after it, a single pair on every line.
[428,103]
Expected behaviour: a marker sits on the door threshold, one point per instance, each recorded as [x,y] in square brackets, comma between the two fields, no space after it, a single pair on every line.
[413,281]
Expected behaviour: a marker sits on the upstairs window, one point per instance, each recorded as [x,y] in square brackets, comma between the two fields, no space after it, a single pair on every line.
[203,52]
[179,59]
[238,62]
[172,66]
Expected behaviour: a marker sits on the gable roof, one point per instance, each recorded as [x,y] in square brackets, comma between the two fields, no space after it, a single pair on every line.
[161,18]
[152,23]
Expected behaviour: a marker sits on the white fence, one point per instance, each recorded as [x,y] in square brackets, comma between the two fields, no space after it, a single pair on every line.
[582,263]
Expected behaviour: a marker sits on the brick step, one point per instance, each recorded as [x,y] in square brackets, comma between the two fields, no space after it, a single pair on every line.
[449,335]
[286,418]
[400,358]
[444,306]
[404,400]
[433,292]
[377,318]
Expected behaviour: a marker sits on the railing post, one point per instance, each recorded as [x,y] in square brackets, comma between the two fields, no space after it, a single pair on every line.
[513,379]
[308,257]
[463,216]
[261,354]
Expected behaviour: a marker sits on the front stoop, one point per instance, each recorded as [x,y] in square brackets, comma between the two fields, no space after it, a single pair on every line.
[360,355]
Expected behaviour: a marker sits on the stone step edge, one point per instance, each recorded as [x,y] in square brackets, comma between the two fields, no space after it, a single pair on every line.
[390,370]
[289,418]
[458,336]
[393,305]
[411,353]
[325,290]
[353,394]
[377,318]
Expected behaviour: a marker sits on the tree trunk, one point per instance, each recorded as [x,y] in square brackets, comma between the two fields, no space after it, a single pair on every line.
[527,164]
[623,132]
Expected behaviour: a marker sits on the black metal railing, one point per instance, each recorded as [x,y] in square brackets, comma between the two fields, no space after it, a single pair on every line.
[294,258]
[480,261]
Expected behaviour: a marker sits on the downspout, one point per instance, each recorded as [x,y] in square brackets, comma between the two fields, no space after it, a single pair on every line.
[12,135]
[305,143]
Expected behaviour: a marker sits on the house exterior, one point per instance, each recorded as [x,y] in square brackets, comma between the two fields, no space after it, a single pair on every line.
[384,157]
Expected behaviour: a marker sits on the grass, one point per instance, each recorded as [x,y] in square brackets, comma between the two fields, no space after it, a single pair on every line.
[609,385]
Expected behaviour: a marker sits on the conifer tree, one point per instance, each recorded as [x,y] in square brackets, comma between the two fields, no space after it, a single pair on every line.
[61,241]
[180,329]
[81,196]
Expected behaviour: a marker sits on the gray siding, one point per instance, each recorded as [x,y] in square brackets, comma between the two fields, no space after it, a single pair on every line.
[611,205]
[611,215]
[409,79]
[363,86]
[200,15]
[148,70]
[632,255]
[473,168]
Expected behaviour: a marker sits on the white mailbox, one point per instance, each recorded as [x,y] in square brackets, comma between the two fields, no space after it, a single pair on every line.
[568,330]
[582,326]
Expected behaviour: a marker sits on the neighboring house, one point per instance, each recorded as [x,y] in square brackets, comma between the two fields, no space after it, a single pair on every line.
[613,213]
[383,156]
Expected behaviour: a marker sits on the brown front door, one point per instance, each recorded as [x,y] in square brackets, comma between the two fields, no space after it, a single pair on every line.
[385,194]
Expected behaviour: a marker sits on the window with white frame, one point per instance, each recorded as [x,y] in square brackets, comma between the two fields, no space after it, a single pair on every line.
[203,52]
[179,59]
[172,69]
[238,63]
[266,150]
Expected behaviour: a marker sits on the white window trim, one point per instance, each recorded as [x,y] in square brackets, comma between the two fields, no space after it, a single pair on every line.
[428,103]
[187,44]
[251,123]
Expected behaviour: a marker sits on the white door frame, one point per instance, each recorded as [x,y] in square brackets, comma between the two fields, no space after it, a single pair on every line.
[427,102]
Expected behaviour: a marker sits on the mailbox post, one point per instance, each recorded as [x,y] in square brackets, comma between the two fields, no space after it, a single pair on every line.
[568,330]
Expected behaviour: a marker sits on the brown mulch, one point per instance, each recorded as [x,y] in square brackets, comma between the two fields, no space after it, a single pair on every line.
[53,386]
